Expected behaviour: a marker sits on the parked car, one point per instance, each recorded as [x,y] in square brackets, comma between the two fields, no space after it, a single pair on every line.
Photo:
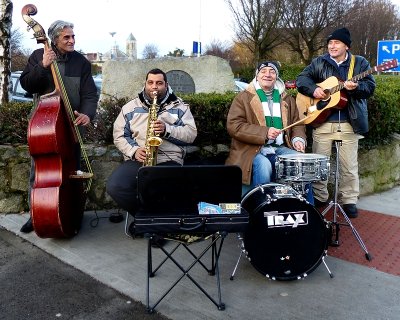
[240,85]
[98,80]
[18,93]
[290,84]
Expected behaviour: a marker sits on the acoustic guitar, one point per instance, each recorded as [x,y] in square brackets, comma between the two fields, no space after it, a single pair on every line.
[317,110]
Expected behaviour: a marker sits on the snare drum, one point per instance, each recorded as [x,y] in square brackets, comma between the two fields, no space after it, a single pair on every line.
[302,167]
[287,237]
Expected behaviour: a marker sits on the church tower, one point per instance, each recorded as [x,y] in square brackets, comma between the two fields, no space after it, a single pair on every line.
[131,49]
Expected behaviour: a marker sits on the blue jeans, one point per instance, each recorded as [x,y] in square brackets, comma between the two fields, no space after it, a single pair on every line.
[264,170]
[264,166]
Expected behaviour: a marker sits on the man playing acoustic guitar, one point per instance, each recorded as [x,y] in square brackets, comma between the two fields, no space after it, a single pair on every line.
[346,121]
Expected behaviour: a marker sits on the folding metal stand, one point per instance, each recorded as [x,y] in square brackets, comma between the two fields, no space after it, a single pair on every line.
[242,252]
[337,208]
[216,242]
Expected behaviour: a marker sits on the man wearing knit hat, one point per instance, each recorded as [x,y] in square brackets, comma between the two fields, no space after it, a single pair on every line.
[255,122]
[347,123]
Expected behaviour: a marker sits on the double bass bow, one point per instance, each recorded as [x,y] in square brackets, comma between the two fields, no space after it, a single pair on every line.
[59,191]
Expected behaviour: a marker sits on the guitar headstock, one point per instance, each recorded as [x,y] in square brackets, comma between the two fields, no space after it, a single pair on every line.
[387,65]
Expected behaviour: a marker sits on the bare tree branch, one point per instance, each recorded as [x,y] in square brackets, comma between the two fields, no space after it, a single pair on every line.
[307,23]
[6,8]
[256,25]
[150,51]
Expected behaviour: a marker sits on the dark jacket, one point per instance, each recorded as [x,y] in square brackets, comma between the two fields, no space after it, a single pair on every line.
[323,67]
[77,78]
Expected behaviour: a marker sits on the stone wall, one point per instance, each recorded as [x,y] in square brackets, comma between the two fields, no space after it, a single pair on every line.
[379,171]
[123,79]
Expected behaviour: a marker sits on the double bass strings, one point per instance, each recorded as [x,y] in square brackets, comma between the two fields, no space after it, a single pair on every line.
[70,112]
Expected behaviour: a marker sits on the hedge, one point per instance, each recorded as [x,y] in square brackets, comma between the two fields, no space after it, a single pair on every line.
[210,112]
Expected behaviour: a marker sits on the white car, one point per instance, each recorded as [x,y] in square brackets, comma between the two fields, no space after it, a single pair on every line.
[18,93]
[98,81]
[240,85]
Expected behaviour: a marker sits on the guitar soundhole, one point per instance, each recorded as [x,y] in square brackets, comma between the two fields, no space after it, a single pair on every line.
[322,104]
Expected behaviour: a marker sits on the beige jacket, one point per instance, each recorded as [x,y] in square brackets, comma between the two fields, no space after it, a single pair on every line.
[130,129]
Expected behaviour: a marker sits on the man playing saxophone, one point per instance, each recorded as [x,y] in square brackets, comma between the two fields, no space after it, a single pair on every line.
[171,121]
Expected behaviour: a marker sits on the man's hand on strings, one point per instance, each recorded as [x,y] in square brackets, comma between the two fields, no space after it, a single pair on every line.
[319,93]
[81,119]
[350,85]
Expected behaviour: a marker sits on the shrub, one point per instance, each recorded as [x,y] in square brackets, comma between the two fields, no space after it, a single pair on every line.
[384,111]
[210,111]
[101,130]
[14,122]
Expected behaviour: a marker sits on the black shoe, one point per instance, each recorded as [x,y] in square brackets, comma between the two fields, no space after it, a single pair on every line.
[27,227]
[158,242]
[351,210]
[319,203]
[132,231]
[116,217]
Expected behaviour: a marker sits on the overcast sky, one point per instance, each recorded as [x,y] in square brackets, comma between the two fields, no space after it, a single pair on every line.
[169,24]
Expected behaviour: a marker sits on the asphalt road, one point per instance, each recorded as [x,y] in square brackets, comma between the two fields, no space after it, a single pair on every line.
[35,285]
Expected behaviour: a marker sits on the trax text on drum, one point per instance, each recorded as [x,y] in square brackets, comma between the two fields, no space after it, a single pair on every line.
[294,219]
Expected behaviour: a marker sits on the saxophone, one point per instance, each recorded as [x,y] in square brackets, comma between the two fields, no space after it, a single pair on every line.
[153,141]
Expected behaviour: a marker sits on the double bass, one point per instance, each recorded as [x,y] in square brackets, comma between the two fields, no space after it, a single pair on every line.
[59,191]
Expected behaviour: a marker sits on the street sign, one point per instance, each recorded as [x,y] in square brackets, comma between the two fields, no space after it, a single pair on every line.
[196,48]
[389,50]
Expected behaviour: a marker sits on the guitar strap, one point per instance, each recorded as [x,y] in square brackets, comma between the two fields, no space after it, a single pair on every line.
[351,68]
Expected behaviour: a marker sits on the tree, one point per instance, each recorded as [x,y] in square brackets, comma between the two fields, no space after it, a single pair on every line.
[307,22]
[218,49]
[176,53]
[19,55]
[256,25]
[238,56]
[150,51]
[6,8]
[371,21]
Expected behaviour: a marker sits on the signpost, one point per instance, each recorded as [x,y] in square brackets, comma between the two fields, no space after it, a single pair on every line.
[389,50]
[197,48]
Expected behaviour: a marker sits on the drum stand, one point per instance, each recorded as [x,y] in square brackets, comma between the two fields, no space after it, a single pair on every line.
[336,208]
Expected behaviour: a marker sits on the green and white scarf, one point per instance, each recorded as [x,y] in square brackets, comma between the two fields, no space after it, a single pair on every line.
[273,119]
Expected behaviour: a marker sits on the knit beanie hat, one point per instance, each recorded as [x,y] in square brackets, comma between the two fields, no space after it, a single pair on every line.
[272,64]
[342,34]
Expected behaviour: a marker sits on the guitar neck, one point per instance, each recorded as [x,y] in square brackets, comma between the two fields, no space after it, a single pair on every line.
[363,74]
[340,86]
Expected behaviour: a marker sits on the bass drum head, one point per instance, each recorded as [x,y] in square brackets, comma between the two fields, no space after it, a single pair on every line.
[286,238]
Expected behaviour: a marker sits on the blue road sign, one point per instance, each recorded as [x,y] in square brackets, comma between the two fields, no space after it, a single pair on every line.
[196,48]
[389,50]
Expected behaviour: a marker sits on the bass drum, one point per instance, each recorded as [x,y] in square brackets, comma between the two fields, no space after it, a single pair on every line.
[286,238]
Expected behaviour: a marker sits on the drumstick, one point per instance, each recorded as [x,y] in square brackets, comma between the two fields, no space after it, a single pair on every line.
[296,123]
